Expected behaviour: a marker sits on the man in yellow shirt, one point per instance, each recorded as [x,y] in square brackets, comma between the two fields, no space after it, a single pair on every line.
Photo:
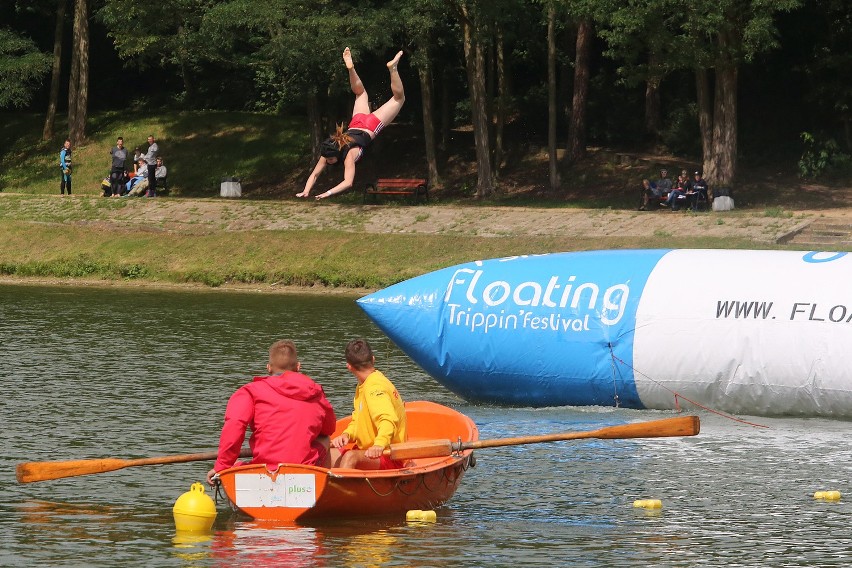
[378,419]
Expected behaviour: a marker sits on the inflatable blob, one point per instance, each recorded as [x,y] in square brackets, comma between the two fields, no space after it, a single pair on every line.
[740,331]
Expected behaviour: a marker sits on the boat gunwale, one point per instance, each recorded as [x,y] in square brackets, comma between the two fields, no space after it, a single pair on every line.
[419,466]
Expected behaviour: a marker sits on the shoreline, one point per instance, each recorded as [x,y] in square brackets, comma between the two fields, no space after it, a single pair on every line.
[230,287]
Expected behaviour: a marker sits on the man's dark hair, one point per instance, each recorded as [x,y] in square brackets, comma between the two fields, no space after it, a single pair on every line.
[359,354]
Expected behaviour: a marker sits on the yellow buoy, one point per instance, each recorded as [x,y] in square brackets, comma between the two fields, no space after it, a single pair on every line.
[194,511]
[648,504]
[827,495]
[423,516]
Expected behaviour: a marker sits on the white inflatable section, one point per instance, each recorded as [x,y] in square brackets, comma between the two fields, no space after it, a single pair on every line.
[748,332]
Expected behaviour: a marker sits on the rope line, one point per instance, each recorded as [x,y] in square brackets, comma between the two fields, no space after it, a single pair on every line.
[614,377]
[402,482]
[393,487]
[678,396]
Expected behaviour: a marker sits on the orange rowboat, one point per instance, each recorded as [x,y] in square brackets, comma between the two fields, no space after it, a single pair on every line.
[297,492]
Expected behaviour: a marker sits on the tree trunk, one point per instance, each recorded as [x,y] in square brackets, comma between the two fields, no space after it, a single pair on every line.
[50,118]
[489,57]
[565,82]
[705,115]
[723,153]
[74,78]
[446,118]
[476,84]
[315,123]
[79,88]
[502,94]
[577,128]
[191,99]
[724,147]
[425,73]
[551,97]
[653,106]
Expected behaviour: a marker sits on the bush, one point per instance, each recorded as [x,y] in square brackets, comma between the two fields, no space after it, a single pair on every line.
[822,156]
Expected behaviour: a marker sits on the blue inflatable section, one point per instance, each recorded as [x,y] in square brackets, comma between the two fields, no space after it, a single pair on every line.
[479,328]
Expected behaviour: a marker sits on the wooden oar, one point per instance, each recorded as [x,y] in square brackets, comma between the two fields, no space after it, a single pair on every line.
[680,426]
[42,471]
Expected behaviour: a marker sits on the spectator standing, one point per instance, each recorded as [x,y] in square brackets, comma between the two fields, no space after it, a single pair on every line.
[65,167]
[116,174]
[151,160]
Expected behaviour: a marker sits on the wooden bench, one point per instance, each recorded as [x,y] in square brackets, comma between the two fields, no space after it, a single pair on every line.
[416,187]
[685,201]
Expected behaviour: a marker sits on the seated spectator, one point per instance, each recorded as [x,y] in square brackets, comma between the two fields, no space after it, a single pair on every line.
[139,189]
[681,188]
[140,175]
[161,174]
[699,191]
[649,190]
[664,184]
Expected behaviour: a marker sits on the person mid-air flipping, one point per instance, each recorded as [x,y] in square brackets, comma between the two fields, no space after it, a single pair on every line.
[347,146]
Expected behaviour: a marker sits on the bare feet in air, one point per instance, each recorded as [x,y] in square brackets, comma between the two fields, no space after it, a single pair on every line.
[302,194]
[347,59]
[393,62]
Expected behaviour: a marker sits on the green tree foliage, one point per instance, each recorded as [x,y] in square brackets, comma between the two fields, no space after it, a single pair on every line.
[168,39]
[826,64]
[691,57]
[698,35]
[22,68]
[822,156]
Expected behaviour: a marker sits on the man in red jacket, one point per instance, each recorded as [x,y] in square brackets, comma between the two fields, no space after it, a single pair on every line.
[289,416]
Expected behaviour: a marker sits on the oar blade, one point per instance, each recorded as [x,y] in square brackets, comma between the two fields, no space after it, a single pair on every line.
[42,471]
[664,428]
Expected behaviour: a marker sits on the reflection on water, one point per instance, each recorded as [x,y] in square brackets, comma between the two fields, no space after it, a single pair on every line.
[116,373]
[371,549]
[249,543]
[254,544]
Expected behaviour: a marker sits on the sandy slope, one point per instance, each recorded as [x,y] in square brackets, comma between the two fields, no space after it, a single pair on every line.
[210,215]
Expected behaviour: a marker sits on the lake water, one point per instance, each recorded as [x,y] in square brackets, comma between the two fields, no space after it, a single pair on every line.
[91,373]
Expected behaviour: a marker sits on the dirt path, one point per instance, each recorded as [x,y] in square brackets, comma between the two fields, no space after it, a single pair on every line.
[212,215]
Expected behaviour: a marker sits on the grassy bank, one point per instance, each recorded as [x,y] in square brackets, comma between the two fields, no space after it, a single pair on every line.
[301,258]
[215,242]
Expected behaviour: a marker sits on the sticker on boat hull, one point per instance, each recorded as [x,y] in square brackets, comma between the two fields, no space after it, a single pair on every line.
[291,490]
